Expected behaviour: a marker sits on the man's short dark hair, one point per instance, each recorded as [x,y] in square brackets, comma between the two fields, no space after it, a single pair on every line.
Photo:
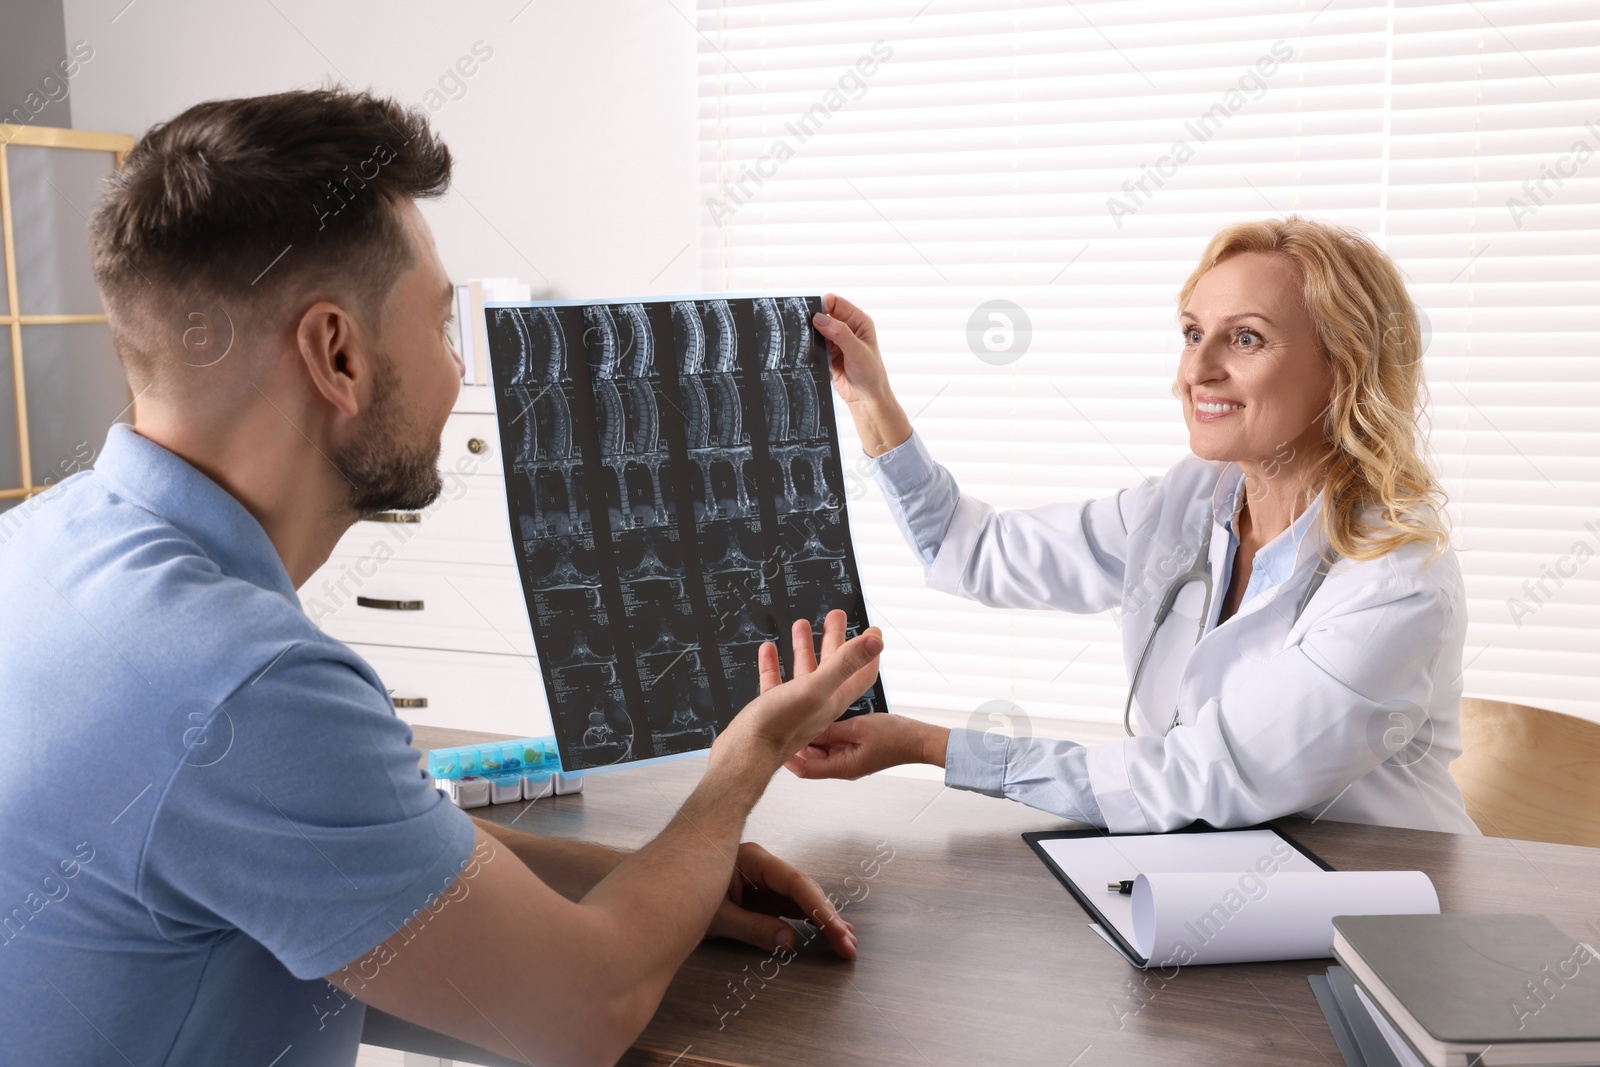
[248,203]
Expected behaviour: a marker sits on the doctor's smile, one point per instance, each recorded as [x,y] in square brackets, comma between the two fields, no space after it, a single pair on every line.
[1320,591]
[1210,408]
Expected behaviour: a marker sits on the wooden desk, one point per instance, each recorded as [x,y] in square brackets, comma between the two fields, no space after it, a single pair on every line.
[972,952]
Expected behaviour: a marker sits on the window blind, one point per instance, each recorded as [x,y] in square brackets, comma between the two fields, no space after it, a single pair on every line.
[928,158]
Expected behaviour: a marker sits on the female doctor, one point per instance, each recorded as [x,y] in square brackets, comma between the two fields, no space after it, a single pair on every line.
[1293,616]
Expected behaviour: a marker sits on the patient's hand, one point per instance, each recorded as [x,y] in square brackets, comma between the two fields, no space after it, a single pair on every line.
[866,744]
[763,892]
[786,713]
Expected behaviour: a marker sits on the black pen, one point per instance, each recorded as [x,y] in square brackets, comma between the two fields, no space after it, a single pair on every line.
[1124,886]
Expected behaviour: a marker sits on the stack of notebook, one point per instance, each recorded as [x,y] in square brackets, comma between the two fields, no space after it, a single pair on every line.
[1461,991]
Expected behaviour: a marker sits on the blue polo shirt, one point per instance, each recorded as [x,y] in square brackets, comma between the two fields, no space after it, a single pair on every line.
[207,802]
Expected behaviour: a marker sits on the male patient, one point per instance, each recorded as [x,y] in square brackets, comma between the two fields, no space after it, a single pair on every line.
[210,806]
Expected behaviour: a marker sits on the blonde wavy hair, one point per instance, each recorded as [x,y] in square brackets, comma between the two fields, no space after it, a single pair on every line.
[1371,336]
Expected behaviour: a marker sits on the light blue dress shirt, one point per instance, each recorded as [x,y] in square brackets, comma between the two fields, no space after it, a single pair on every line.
[209,803]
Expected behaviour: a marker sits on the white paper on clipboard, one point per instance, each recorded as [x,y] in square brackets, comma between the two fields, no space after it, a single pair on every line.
[1227,896]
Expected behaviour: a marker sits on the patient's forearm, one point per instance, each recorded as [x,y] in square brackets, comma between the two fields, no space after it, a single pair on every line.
[659,901]
[571,868]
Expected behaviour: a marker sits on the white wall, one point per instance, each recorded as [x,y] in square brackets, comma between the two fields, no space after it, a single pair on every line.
[32,45]
[575,141]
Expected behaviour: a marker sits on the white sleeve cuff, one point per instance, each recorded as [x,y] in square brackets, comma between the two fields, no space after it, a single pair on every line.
[1108,775]
[904,468]
[972,761]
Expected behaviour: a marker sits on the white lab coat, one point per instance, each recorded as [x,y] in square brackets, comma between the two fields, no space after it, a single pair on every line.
[1350,714]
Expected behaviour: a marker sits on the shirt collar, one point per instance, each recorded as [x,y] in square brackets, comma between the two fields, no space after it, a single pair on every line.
[1225,496]
[165,485]
[1276,560]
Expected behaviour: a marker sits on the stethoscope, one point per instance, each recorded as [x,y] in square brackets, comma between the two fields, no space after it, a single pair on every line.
[1201,571]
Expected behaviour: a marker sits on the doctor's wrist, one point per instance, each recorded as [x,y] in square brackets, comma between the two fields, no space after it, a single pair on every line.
[881,423]
[932,743]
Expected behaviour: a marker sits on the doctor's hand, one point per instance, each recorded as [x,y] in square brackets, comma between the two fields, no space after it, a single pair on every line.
[859,376]
[856,747]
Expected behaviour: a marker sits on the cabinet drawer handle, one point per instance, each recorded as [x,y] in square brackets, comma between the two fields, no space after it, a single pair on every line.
[388,605]
[393,516]
[477,446]
[410,702]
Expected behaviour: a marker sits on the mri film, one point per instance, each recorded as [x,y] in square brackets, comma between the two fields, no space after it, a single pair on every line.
[676,497]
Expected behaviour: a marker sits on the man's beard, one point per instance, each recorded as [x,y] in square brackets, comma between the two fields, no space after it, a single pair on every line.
[387,473]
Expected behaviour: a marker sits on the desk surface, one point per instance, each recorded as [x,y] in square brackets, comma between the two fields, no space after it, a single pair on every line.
[972,952]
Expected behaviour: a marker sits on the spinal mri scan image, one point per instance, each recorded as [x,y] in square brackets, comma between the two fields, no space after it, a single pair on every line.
[676,497]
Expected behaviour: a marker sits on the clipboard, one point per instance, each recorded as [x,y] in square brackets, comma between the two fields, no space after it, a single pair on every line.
[1087,896]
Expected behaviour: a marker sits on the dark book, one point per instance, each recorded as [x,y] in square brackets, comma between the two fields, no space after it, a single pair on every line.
[1338,1023]
[1478,989]
[1364,1031]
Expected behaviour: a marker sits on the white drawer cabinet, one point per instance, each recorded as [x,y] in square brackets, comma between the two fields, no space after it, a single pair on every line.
[463,690]
[467,607]
[471,443]
[467,524]
[434,601]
